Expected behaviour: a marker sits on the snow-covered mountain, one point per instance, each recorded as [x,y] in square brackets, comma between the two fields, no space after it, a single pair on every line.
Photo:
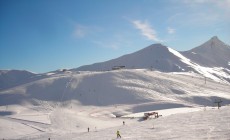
[156,56]
[212,60]
[62,104]
[213,53]
[11,78]
[118,87]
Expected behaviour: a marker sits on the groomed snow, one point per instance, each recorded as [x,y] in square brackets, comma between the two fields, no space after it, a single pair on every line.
[201,125]
[179,123]
[64,105]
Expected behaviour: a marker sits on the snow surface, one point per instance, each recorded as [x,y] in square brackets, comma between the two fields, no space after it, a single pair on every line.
[64,104]
[213,53]
[211,59]
[212,73]
[179,123]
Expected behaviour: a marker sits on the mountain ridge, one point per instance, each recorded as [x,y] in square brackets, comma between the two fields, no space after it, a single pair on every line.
[9,78]
[155,56]
[210,59]
[212,53]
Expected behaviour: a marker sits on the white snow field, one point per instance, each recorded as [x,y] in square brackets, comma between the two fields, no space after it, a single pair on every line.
[62,105]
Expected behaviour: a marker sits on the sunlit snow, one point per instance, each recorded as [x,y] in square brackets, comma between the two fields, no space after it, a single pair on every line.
[63,105]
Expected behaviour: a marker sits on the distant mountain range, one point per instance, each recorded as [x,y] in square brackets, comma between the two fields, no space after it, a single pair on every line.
[154,74]
[156,78]
[211,59]
[156,56]
[213,53]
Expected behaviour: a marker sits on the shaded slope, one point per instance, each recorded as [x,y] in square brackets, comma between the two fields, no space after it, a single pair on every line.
[213,53]
[11,78]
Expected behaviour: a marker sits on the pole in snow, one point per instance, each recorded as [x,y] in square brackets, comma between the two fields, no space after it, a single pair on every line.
[218,103]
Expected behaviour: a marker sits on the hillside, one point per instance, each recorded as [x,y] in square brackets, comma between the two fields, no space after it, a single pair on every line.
[10,78]
[156,56]
[63,105]
[200,125]
[210,59]
[213,53]
[119,87]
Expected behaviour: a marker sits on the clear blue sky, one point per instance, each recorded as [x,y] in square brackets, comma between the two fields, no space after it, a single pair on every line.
[45,35]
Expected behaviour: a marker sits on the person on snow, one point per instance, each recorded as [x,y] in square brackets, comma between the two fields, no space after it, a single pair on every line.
[118,134]
[123,122]
[88,129]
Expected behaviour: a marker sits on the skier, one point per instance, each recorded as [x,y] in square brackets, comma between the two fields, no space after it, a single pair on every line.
[88,129]
[123,122]
[118,134]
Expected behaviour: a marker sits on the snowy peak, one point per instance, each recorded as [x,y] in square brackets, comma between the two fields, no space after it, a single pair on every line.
[214,42]
[215,38]
[157,47]
[152,52]
[155,56]
[213,45]
[202,59]
[213,53]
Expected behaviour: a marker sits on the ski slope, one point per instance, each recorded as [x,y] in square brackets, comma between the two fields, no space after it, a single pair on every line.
[62,105]
[179,123]
[209,124]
